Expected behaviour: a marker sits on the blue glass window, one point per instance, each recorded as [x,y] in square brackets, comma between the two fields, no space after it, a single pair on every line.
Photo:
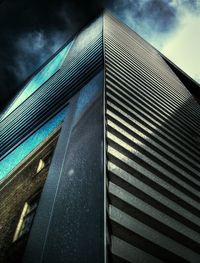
[25,148]
[39,79]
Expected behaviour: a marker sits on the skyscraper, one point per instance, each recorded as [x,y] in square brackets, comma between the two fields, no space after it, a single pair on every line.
[123,184]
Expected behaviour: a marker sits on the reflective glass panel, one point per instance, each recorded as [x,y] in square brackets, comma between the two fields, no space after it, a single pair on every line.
[39,79]
[18,154]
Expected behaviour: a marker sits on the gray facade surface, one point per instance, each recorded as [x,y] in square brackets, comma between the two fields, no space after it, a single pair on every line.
[152,155]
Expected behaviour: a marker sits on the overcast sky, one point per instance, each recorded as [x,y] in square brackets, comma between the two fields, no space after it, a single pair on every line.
[32,30]
[172,26]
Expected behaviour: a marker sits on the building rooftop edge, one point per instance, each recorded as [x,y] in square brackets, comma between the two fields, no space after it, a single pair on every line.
[102,12]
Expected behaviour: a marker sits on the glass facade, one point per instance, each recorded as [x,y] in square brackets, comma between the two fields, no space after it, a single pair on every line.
[39,79]
[25,148]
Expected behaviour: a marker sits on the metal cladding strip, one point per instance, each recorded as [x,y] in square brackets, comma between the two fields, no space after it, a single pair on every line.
[135,46]
[166,77]
[116,124]
[177,136]
[57,76]
[147,57]
[170,240]
[191,141]
[44,94]
[52,95]
[147,135]
[181,140]
[148,92]
[168,168]
[142,74]
[144,82]
[181,221]
[153,175]
[122,248]
[152,157]
[152,110]
[161,137]
[146,74]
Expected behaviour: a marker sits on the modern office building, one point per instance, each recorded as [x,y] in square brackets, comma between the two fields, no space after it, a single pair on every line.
[122,123]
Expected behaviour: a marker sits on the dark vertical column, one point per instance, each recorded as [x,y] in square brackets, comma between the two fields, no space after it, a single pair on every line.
[69,225]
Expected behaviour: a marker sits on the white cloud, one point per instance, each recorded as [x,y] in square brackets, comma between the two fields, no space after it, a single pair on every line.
[175,31]
[183,46]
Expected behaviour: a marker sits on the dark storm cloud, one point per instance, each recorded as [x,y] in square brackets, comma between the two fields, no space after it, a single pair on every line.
[192,5]
[161,14]
[147,15]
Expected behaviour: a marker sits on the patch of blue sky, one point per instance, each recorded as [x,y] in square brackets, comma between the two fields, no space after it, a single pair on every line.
[39,79]
[25,148]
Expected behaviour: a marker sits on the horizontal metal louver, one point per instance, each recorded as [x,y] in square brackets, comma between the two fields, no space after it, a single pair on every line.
[78,68]
[152,156]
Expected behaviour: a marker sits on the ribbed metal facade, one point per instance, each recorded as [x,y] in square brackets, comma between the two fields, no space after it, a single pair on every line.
[152,156]
[81,64]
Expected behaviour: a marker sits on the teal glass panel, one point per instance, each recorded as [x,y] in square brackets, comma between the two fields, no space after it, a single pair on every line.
[25,148]
[39,79]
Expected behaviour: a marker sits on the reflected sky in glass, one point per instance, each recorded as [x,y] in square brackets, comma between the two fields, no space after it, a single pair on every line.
[25,148]
[39,79]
